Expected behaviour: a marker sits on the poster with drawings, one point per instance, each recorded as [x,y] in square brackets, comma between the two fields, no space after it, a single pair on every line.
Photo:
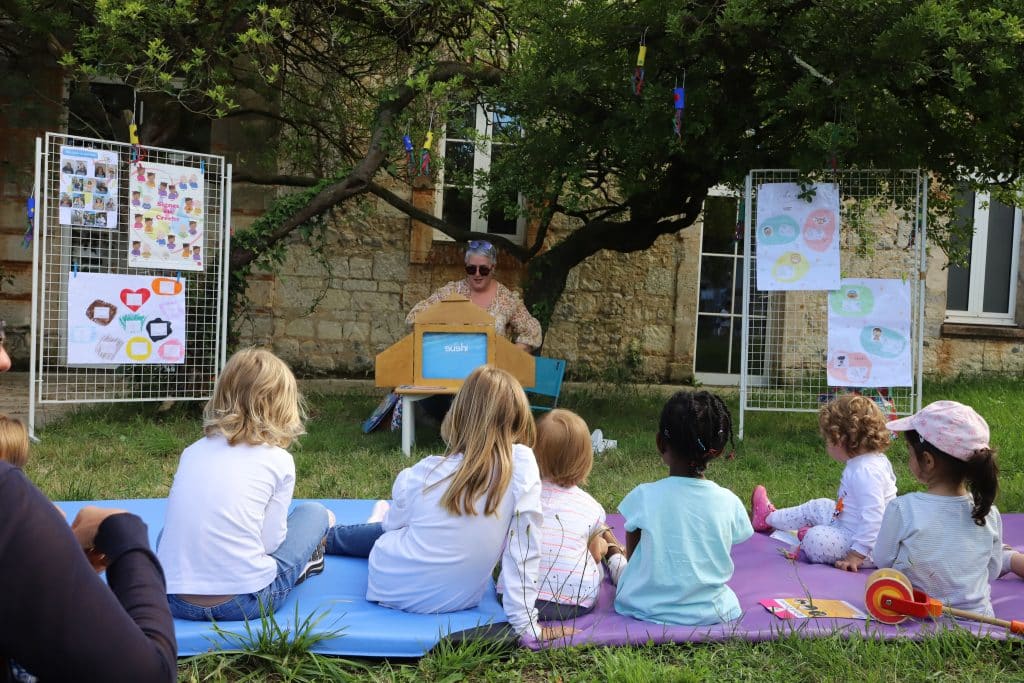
[869,334]
[125,319]
[797,237]
[165,217]
[88,188]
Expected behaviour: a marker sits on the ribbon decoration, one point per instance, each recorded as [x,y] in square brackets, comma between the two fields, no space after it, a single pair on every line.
[409,161]
[679,101]
[638,73]
[425,154]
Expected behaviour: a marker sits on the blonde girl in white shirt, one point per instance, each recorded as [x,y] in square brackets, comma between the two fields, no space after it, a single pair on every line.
[841,532]
[453,517]
[575,539]
[230,549]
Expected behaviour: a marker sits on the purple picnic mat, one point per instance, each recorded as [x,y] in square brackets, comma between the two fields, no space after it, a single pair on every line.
[761,572]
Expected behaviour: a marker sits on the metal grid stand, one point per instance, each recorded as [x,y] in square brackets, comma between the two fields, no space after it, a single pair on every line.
[785,334]
[59,249]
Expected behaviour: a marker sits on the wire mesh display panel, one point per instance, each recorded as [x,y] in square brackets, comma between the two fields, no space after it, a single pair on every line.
[785,333]
[61,250]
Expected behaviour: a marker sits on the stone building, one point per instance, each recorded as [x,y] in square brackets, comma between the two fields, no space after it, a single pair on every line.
[671,313]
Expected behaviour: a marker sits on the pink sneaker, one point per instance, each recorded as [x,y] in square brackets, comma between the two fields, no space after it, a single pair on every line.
[760,508]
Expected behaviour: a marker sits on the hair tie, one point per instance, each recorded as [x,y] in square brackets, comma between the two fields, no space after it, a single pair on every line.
[701,444]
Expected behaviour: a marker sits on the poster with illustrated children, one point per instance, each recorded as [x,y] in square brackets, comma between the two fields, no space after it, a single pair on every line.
[88,188]
[125,319]
[165,217]
[869,334]
[797,237]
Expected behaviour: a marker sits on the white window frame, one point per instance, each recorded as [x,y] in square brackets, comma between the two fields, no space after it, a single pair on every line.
[481,163]
[979,255]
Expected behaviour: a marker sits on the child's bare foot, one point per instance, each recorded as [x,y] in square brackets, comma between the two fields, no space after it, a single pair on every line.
[380,510]
[598,548]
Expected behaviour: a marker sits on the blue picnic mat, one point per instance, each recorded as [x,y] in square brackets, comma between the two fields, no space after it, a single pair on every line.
[338,596]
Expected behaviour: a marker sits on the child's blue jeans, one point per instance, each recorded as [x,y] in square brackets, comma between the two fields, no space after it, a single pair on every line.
[354,540]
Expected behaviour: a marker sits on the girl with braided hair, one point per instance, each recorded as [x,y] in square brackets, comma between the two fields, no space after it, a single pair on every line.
[680,529]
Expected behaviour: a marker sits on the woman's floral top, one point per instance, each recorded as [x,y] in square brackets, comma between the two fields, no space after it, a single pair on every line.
[511,319]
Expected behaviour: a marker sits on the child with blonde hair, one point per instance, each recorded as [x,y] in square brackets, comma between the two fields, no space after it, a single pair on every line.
[680,530]
[229,548]
[948,539]
[576,538]
[454,516]
[841,532]
[13,442]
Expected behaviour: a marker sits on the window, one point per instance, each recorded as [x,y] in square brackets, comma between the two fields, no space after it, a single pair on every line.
[474,140]
[985,290]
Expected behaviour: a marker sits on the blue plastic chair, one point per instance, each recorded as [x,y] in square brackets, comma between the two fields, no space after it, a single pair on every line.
[548,382]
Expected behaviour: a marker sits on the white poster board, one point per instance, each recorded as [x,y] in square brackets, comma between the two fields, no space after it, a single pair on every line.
[88,188]
[125,319]
[869,334]
[166,217]
[797,237]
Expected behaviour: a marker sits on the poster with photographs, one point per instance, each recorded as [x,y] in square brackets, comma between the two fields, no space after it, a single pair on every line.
[135,319]
[869,342]
[88,188]
[165,216]
[797,237]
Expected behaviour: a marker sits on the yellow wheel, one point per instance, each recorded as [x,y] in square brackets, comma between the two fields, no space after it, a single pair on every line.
[884,585]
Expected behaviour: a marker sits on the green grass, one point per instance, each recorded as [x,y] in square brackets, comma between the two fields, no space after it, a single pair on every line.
[124,451]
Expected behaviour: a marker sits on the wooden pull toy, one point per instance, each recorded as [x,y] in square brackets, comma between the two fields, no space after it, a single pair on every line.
[891,599]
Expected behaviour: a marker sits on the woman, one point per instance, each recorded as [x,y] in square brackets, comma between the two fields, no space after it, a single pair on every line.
[511,319]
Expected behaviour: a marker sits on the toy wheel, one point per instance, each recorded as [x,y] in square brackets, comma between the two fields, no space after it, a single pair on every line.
[884,585]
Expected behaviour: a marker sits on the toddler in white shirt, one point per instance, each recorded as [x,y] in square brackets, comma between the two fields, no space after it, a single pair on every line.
[841,532]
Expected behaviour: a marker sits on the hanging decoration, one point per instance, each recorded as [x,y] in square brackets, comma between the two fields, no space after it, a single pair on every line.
[30,210]
[679,102]
[410,161]
[425,154]
[638,73]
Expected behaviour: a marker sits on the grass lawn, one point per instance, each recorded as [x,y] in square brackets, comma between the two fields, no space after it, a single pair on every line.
[129,451]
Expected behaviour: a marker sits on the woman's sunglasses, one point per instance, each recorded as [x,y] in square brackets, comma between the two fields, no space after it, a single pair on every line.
[484,270]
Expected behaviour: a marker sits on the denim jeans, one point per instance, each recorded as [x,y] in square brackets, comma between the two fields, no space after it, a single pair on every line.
[307,524]
[354,540]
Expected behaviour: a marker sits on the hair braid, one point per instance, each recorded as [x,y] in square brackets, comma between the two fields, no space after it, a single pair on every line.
[697,426]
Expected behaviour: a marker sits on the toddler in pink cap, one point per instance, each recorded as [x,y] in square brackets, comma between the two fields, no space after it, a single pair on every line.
[948,539]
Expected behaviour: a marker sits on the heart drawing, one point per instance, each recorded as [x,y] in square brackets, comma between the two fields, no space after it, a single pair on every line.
[135,298]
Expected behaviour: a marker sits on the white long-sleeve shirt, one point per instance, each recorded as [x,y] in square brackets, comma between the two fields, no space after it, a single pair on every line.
[431,561]
[866,487]
[227,511]
[934,541]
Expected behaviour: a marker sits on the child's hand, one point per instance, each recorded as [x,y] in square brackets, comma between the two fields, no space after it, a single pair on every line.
[851,562]
[598,548]
[552,632]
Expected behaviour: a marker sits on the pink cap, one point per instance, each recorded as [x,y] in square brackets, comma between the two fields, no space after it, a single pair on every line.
[951,427]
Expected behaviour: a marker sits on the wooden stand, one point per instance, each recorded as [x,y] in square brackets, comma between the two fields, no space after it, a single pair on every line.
[403,364]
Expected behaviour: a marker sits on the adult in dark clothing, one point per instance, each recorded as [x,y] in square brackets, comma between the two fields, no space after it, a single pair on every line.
[58,620]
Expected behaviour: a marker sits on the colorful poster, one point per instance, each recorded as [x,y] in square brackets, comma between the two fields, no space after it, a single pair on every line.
[807,608]
[116,319]
[797,237]
[166,217]
[88,188]
[869,334]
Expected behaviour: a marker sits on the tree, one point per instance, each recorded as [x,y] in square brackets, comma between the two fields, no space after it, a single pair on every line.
[937,84]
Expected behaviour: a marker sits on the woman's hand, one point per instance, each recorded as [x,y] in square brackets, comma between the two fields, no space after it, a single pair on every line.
[851,562]
[86,525]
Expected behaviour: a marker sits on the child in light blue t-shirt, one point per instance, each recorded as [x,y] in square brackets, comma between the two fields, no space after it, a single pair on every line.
[679,530]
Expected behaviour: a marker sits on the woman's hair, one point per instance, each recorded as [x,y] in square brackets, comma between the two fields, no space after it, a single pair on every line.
[489,414]
[13,441]
[482,248]
[564,452]
[854,422]
[256,401]
[980,472]
[696,425]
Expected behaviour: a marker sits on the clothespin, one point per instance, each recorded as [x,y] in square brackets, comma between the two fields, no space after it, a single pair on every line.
[202,167]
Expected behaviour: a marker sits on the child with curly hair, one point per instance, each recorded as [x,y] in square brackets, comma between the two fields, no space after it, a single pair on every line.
[841,532]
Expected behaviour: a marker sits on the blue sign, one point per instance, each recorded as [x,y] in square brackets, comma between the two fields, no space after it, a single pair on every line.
[452,355]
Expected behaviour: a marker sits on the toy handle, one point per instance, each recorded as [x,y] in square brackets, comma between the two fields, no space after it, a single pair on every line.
[1013,625]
